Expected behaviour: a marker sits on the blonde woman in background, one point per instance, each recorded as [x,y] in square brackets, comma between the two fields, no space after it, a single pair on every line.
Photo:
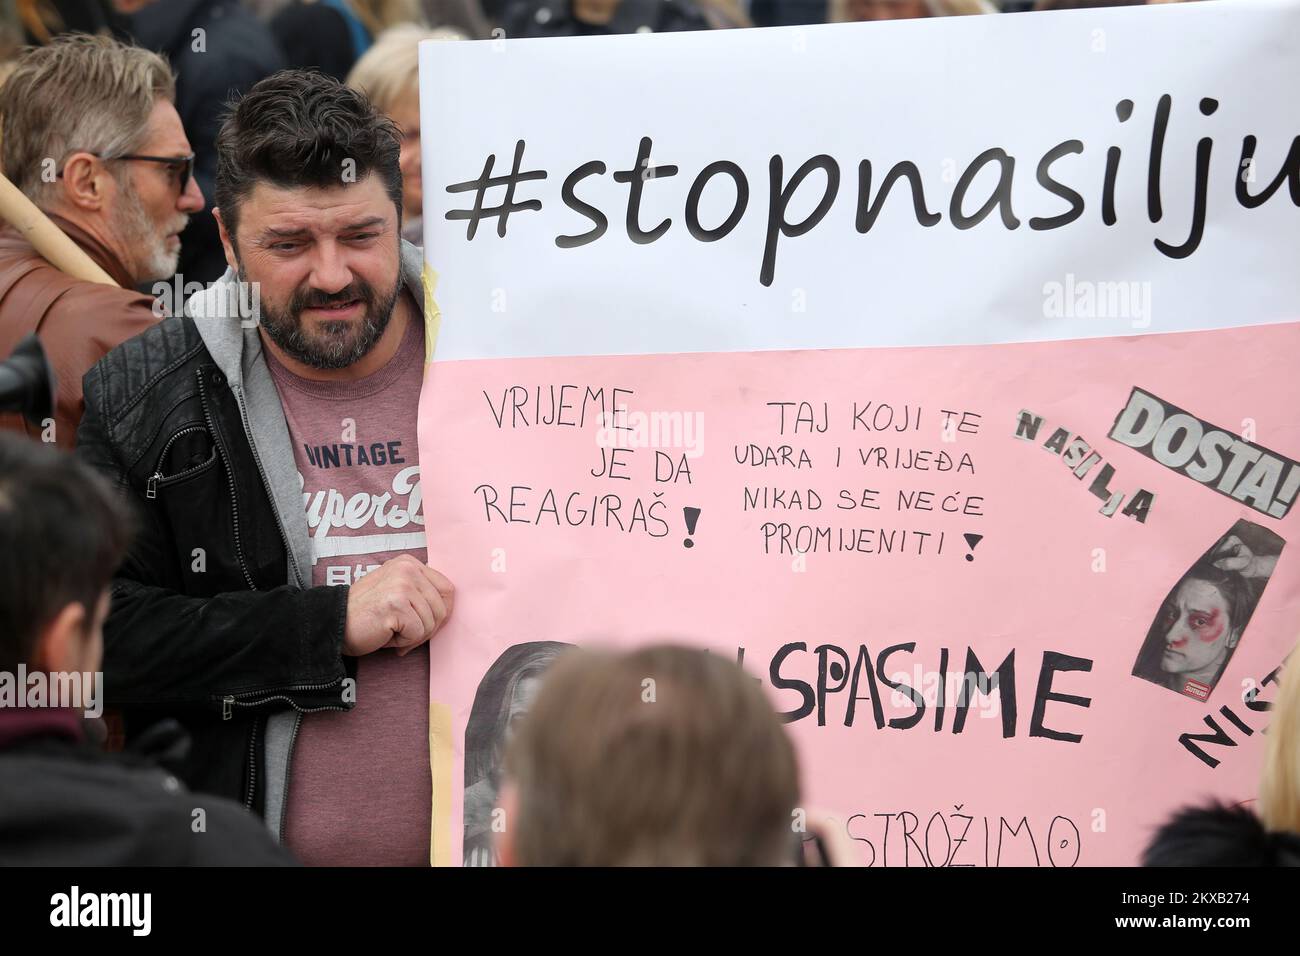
[377,15]
[380,15]
[389,74]
[1221,835]
[848,11]
[725,14]
[1279,789]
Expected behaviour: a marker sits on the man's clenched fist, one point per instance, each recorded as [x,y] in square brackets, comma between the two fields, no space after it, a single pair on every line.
[399,604]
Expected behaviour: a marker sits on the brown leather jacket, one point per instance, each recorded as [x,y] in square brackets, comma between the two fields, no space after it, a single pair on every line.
[77,322]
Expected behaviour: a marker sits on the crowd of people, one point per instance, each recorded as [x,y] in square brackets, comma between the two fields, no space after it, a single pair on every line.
[332,35]
[154,529]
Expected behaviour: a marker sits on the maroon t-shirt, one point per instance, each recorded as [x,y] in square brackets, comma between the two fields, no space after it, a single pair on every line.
[359,786]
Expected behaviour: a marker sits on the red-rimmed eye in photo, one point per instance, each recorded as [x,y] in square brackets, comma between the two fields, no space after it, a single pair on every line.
[1202,620]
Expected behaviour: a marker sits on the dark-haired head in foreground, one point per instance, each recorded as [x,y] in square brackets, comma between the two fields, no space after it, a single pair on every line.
[309,201]
[1220,835]
[662,756]
[62,535]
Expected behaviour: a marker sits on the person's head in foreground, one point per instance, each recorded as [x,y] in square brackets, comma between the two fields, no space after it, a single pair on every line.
[89,133]
[309,204]
[62,535]
[665,756]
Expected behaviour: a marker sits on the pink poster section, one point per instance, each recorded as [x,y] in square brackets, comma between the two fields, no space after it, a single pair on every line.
[1001,636]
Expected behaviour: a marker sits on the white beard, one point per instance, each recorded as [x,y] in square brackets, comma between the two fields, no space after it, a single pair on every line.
[152,260]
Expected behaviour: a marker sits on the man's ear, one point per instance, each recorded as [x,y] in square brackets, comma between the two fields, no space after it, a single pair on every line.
[227,243]
[508,803]
[85,183]
[60,647]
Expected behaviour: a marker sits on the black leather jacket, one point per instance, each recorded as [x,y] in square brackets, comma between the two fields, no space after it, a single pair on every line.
[63,802]
[205,626]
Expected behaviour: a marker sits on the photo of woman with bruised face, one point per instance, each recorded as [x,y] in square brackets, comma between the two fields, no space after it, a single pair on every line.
[1201,621]
[504,696]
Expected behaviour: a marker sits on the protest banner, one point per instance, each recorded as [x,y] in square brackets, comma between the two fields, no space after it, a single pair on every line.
[940,371]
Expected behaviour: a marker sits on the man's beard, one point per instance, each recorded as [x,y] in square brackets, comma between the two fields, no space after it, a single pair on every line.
[152,259]
[337,343]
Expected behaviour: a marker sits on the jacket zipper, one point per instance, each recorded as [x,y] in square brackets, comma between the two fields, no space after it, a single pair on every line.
[261,472]
[231,701]
[151,486]
[252,768]
[230,485]
[288,772]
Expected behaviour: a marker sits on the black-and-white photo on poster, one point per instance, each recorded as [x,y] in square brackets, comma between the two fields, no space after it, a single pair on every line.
[1202,621]
[504,696]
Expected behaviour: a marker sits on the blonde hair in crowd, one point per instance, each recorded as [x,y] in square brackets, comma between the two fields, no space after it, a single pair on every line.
[390,69]
[838,10]
[725,14]
[114,88]
[1279,788]
[379,15]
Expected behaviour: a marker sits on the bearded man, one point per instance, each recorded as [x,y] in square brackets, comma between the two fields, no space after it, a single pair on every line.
[277,601]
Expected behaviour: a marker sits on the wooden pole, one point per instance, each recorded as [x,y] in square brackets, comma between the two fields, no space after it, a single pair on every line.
[47,238]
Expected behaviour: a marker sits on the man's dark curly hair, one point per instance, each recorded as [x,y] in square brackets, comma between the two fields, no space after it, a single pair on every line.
[299,128]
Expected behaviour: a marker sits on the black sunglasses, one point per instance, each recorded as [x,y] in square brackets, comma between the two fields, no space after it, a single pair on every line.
[184,164]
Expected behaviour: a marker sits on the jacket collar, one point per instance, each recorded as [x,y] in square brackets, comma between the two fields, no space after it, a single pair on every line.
[20,724]
[92,247]
[236,349]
